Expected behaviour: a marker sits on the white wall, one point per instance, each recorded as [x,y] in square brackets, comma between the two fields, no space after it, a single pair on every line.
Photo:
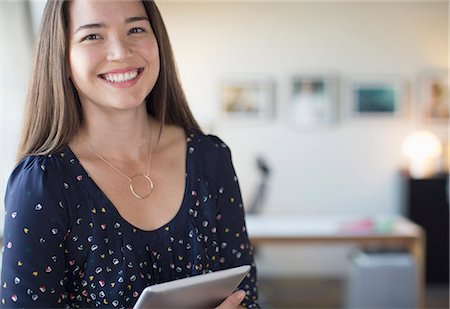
[351,168]
[15,62]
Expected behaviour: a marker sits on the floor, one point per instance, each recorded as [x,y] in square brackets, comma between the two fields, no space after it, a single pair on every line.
[325,293]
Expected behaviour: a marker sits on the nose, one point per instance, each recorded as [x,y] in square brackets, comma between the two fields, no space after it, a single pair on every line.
[118,50]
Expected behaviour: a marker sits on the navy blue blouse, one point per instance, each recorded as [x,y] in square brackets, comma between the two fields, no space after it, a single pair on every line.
[66,245]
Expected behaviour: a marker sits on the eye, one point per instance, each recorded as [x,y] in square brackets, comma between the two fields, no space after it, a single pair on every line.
[137,30]
[91,37]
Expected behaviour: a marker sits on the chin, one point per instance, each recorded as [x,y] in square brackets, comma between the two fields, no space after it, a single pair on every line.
[126,103]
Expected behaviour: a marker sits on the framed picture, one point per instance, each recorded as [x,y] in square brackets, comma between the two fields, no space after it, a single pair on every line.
[434,96]
[377,96]
[313,100]
[247,98]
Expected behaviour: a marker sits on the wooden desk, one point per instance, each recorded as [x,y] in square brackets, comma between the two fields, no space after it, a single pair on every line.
[385,232]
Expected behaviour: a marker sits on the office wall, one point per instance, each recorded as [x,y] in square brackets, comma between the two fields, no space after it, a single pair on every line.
[350,168]
[15,62]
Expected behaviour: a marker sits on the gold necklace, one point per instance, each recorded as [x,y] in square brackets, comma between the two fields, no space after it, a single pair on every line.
[146,176]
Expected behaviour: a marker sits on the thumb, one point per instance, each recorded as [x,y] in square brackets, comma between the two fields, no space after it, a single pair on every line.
[232,301]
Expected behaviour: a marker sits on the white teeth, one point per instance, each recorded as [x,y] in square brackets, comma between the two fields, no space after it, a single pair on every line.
[120,77]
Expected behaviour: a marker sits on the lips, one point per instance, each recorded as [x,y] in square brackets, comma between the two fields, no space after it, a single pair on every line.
[122,75]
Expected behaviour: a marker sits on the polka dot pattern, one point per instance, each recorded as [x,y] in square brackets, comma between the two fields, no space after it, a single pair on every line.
[66,245]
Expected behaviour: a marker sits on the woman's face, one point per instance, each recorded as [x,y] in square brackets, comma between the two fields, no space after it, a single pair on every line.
[113,53]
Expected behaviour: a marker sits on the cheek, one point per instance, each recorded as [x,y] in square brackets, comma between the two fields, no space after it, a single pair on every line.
[81,64]
[73,67]
[155,60]
[151,51]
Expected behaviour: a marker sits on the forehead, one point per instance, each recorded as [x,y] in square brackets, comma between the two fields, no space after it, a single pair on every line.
[103,11]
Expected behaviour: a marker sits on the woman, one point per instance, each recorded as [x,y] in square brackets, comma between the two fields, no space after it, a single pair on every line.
[117,188]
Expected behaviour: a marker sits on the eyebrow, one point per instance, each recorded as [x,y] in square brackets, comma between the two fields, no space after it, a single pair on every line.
[136,18]
[103,25]
[90,26]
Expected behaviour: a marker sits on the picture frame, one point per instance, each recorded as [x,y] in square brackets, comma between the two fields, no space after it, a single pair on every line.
[433,96]
[313,100]
[247,98]
[381,96]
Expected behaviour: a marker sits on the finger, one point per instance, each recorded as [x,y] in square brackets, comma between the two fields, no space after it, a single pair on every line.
[232,301]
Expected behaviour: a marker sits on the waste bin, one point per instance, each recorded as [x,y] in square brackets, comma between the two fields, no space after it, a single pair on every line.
[381,279]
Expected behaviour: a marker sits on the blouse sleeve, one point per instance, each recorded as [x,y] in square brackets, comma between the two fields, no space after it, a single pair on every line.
[36,224]
[235,247]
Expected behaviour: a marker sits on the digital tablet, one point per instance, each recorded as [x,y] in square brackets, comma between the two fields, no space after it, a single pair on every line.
[201,291]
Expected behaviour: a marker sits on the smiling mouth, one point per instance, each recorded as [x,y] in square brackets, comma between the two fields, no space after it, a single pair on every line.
[121,77]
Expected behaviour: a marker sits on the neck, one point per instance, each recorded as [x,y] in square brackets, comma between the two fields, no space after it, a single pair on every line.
[123,135]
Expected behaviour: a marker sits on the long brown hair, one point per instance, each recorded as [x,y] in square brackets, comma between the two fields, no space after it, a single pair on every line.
[53,113]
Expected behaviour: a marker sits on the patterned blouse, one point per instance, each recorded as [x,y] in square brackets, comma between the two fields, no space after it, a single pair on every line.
[66,245]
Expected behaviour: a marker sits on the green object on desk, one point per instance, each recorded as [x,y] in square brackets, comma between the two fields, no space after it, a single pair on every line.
[384,226]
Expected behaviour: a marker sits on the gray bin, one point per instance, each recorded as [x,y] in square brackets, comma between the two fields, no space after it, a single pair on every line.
[381,280]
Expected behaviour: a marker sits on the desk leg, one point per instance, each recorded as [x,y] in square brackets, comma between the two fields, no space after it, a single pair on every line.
[417,249]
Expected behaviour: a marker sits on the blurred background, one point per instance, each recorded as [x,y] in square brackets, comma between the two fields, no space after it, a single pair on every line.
[331,109]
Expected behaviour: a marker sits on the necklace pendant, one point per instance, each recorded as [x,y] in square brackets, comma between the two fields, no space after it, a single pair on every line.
[149,182]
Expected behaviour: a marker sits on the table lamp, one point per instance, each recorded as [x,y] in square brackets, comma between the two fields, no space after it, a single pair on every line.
[423,149]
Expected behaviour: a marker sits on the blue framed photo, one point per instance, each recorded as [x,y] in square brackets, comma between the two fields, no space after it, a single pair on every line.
[377,96]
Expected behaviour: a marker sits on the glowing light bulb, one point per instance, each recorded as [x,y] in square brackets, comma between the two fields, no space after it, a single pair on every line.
[422,148]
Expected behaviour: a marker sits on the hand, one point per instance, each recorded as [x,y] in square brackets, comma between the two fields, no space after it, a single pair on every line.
[233,301]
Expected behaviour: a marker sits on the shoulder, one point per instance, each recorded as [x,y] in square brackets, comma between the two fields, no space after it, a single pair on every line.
[210,153]
[207,143]
[39,167]
[38,176]
[196,140]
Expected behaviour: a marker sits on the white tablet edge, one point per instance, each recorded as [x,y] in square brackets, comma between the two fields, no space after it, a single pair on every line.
[204,278]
